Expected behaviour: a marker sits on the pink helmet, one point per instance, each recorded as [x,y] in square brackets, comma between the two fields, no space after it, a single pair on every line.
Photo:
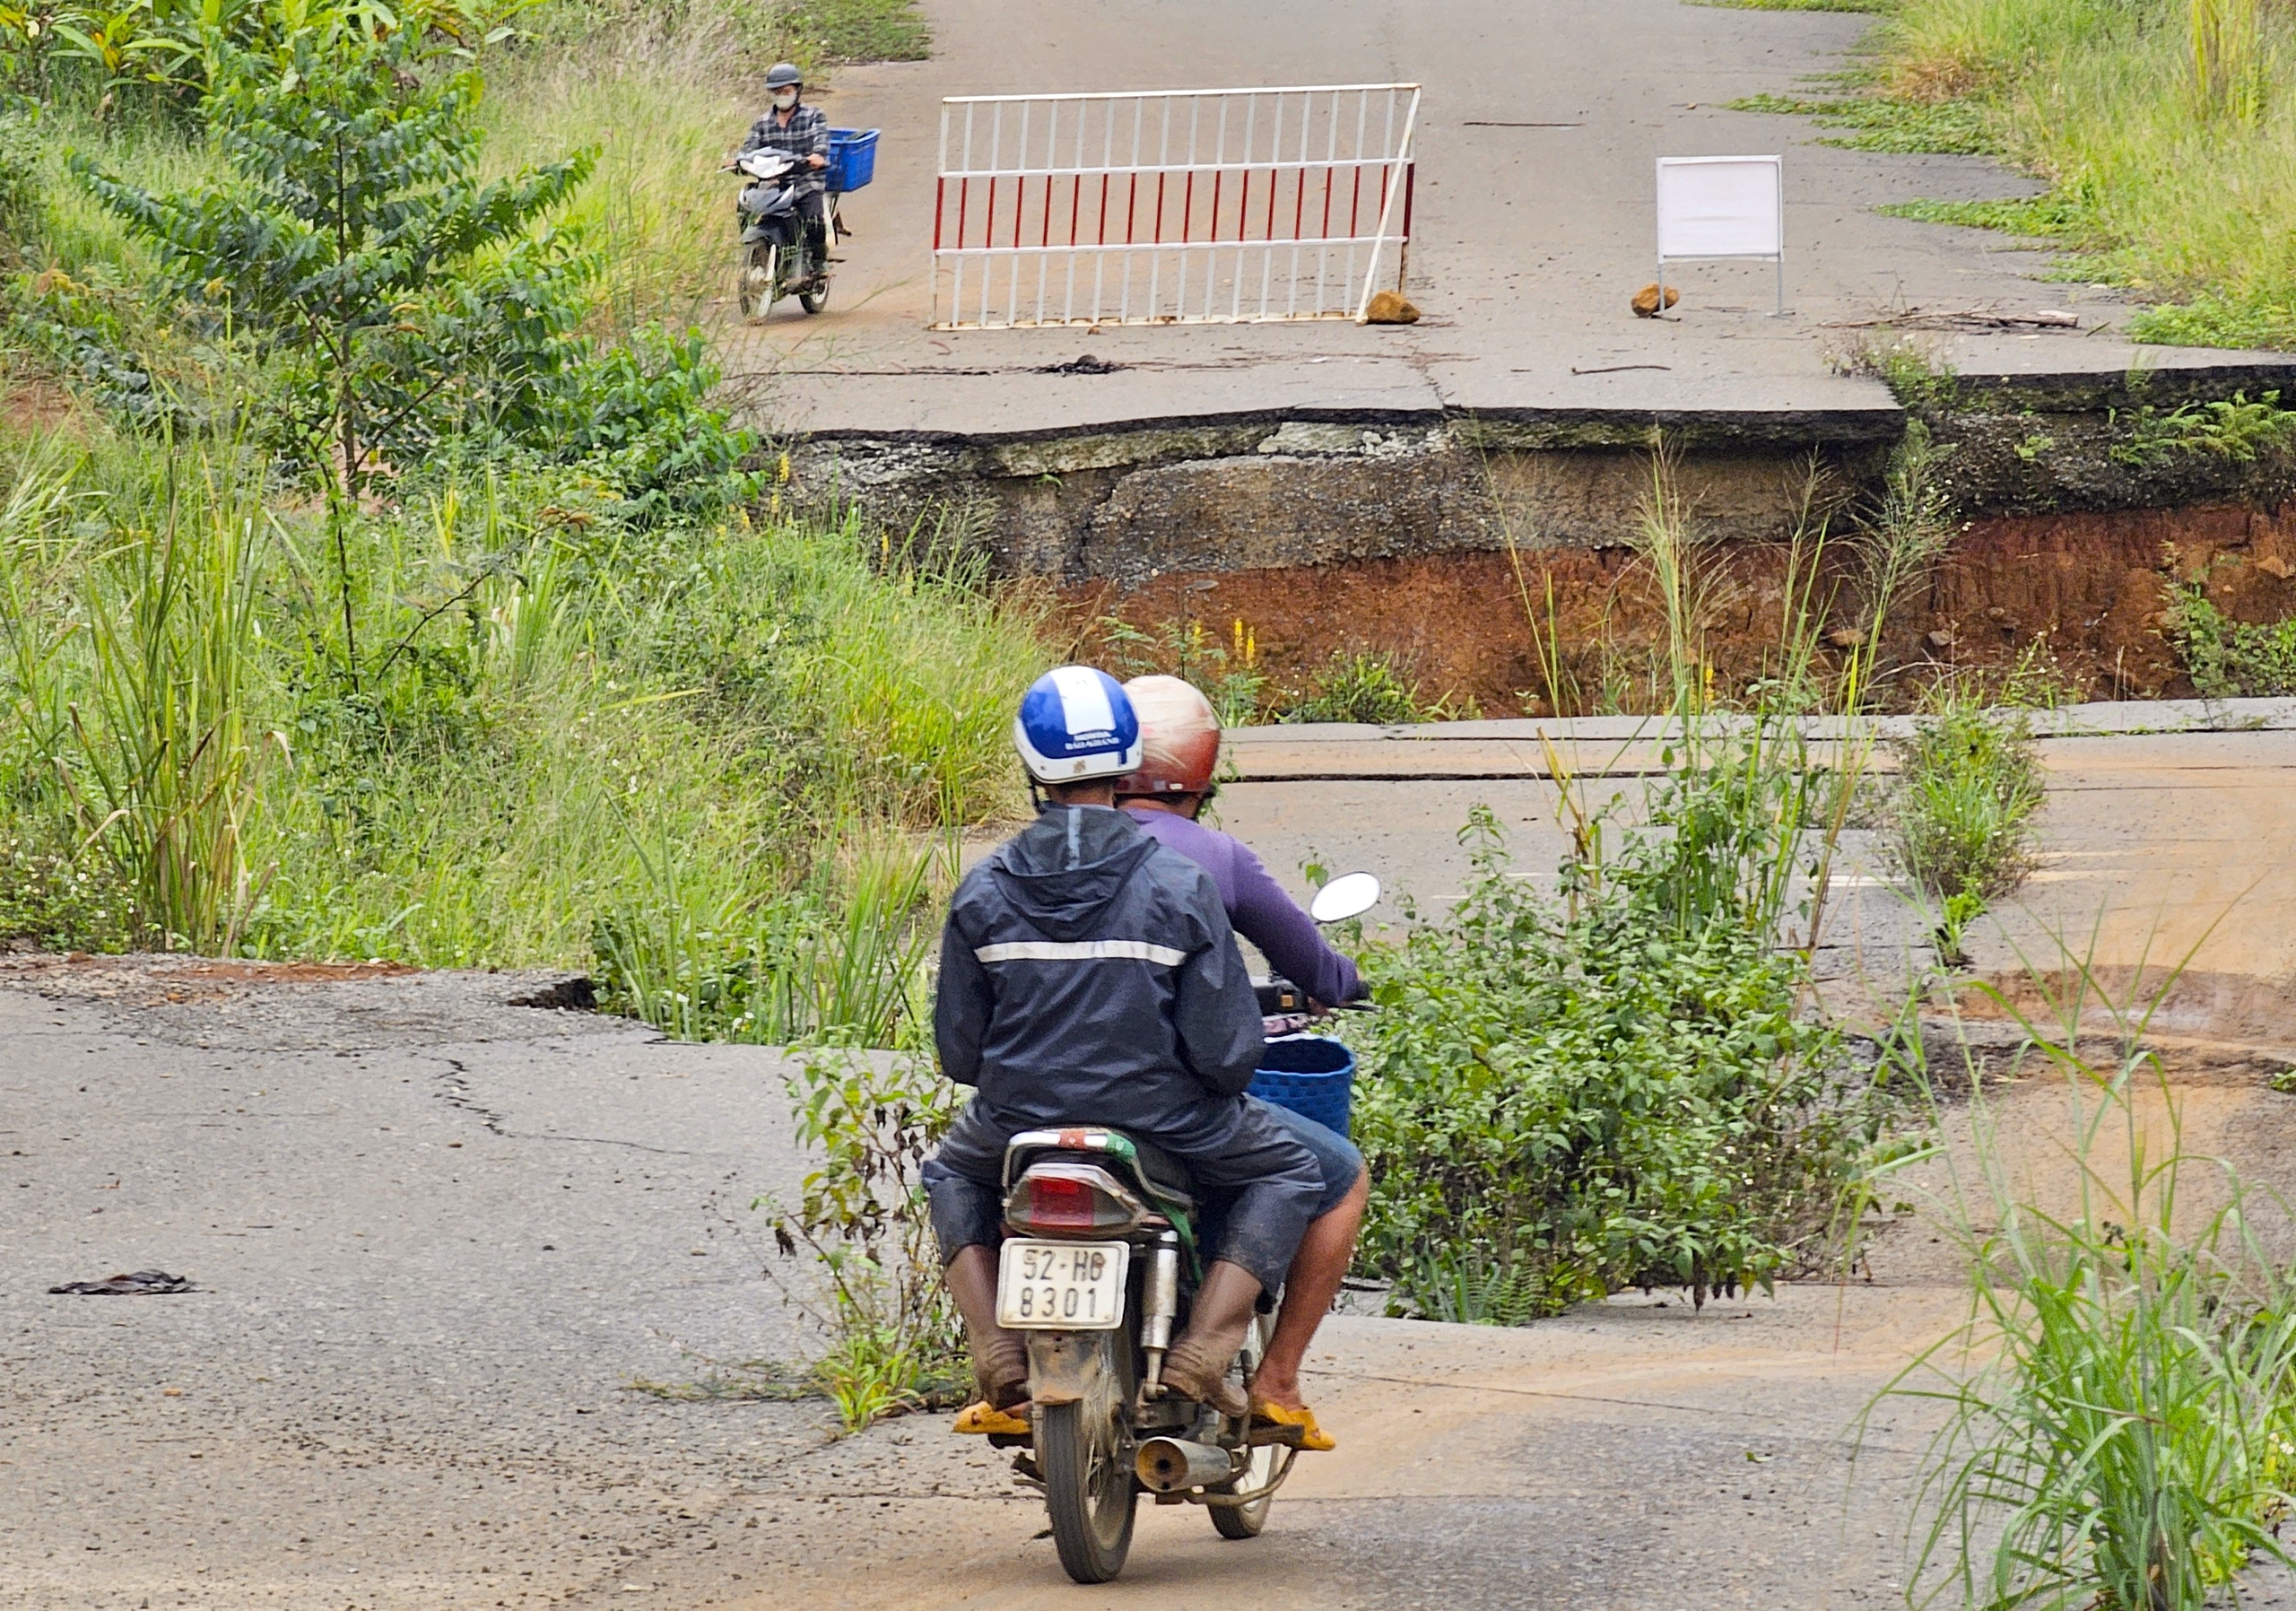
[1179,738]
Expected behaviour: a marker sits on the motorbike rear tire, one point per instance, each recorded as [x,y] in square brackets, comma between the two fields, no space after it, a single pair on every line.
[814,301]
[1089,1490]
[1245,1521]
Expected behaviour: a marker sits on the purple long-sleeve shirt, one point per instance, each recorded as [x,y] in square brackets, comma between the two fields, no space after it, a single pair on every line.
[1257,907]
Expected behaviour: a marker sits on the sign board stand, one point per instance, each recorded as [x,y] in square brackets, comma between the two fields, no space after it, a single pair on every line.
[1711,207]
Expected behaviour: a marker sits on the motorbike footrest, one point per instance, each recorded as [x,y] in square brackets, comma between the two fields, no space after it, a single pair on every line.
[1279,1437]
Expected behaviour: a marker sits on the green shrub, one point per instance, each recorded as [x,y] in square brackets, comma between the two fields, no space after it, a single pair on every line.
[20,183]
[2231,660]
[1561,1101]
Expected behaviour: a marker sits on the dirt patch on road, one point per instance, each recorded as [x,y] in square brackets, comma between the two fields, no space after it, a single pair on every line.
[153,980]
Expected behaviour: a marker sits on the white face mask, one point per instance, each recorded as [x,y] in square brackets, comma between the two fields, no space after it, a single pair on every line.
[785,98]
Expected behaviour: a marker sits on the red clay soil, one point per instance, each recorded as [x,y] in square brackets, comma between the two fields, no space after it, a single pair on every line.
[2079,600]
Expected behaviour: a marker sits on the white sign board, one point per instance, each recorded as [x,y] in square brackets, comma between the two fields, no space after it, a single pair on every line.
[1720,207]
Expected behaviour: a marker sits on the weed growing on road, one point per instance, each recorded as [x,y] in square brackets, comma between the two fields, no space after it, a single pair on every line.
[1876,123]
[1960,810]
[2120,1431]
[895,1343]
[1563,1100]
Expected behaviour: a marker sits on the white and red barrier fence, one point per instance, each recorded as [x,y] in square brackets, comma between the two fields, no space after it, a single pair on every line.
[1171,205]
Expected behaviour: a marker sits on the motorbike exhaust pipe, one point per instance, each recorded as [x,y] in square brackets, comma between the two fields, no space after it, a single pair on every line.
[1174,1465]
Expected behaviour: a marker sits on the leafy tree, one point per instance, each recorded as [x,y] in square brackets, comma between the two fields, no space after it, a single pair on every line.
[399,297]
[396,297]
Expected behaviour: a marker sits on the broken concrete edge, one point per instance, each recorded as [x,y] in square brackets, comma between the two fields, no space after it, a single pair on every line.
[2099,720]
[1957,1051]
[569,993]
[2177,378]
[2173,382]
[1105,444]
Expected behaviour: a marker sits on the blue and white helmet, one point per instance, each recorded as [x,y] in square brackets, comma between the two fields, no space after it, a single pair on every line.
[1075,725]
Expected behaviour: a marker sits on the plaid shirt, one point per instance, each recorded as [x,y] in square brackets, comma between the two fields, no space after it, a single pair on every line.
[806,135]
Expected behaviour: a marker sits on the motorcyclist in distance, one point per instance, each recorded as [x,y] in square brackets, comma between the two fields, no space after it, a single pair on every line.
[797,130]
[1088,977]
[1180,737]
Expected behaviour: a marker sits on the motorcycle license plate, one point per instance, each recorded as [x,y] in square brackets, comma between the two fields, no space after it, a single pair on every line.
[1062,1285]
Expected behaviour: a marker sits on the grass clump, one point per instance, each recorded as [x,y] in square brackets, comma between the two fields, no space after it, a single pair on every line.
[1367,687]
[1960,810]
[2118,1429]
[895,1341]
[1878,123]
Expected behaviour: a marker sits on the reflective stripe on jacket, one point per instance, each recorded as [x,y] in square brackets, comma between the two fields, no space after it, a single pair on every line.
[1089,976]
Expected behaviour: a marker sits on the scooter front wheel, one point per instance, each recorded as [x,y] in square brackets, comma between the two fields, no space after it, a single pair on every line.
[753,286]
[1088,1488]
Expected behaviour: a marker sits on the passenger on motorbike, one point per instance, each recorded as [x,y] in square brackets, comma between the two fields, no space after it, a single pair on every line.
[1088,977]
[800,131]
[1179,738]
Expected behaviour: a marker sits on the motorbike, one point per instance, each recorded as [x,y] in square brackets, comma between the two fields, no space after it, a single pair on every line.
[1102,1258]
[776,258]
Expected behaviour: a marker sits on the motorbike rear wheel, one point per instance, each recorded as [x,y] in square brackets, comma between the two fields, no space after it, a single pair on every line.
[1245,1521]
[817,298]
[1086,1461]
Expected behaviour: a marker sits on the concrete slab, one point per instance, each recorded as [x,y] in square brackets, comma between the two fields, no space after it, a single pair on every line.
[1529,239]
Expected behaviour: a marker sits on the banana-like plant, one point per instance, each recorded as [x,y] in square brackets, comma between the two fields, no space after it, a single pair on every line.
[126,47]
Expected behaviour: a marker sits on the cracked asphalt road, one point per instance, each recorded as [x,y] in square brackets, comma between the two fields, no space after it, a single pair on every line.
[437,1236]
[434,1237]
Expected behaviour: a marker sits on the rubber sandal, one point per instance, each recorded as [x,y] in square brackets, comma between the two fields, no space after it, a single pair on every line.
[981,1416]
[1302,1422]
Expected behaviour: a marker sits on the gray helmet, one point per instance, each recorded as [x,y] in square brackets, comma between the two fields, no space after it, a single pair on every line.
[782,75]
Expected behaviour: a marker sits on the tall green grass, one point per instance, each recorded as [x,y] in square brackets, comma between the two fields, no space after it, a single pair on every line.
[2166,129]
[691,749]
[2118,1428]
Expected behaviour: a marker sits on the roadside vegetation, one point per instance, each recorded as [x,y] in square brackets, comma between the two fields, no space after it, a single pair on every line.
[2118,1429]
[2228,658]
[1624,1082]
[380,574]
[2165,131]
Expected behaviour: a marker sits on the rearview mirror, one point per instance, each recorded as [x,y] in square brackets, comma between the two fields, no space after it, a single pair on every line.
[1348,895]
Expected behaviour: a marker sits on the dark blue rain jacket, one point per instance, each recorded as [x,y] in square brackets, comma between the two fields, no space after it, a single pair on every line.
[1089,976]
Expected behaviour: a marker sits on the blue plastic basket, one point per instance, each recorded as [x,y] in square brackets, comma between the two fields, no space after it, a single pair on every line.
[1312,1076]
[852,159]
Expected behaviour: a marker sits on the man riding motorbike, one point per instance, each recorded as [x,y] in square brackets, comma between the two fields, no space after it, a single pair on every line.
[801,131]
[1089,976]
[1179,739]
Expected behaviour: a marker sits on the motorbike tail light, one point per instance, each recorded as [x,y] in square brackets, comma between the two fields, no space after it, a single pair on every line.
[1068,1199]
[1055,1204]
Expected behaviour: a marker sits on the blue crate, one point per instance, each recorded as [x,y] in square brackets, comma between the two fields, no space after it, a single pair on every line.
[1311,1075]
[852,159]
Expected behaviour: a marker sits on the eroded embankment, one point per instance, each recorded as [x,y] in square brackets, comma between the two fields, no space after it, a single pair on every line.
[1494,558]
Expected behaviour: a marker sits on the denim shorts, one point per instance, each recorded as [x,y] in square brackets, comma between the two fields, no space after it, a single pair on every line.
[1339,1160]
